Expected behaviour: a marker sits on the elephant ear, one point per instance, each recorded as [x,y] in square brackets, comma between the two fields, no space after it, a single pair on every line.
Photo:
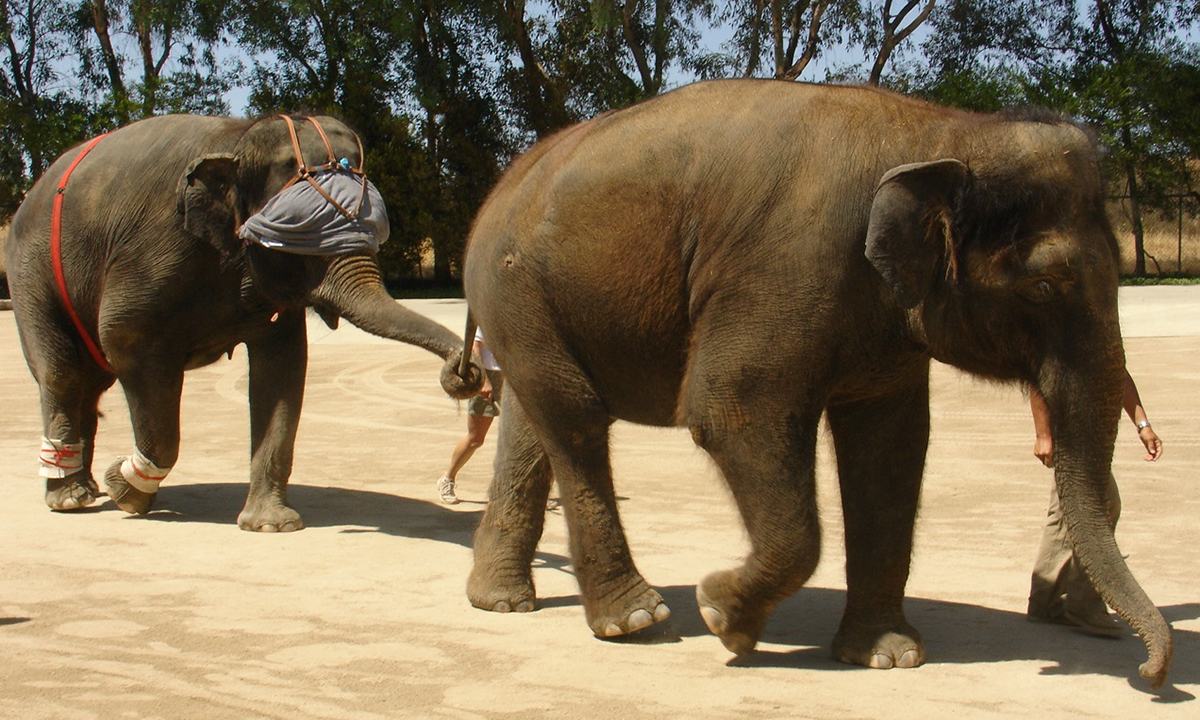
[909,203]
[207,197]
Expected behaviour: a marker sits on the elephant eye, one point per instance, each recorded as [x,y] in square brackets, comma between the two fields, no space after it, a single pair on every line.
[1040,289]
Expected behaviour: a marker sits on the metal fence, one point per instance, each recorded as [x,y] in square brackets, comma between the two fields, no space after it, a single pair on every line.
[1172,239]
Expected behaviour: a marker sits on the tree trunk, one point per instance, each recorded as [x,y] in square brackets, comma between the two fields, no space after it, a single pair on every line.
[893,35]
[1135,207]
[111,62]
[546,106]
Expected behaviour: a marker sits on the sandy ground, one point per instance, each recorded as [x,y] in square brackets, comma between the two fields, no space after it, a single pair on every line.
[363,614]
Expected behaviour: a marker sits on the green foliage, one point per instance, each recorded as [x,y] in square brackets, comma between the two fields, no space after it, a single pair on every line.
[1142,281]
[1126,67]
[444,93]
[39,119]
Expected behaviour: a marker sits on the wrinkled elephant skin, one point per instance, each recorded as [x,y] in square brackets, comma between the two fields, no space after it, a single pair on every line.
[162,284]
[742,257]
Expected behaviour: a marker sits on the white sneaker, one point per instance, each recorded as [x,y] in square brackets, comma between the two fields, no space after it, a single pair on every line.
[446,490]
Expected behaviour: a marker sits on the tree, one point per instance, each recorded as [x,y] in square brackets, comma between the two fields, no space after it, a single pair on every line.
[539,98]
[414,78]
[583,57]
[1124,66]
[1125,51]
[465,138]
[893,29]
[39,117]
[785,35]
[174,44]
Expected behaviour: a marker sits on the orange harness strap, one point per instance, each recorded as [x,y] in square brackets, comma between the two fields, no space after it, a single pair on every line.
[305,172]
[56,259]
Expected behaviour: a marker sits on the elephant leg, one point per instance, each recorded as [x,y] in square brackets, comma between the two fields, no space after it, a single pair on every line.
[69,389]
[68,445]
[278,364]
[768,458]
[573,426]
[881,445]
[153,387]
[506,539]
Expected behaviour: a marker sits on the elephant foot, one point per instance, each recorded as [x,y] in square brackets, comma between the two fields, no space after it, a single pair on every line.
[631,612]
[126,496]
[269,518]
[71,493]
[725,613]
[879,646]
[494,591]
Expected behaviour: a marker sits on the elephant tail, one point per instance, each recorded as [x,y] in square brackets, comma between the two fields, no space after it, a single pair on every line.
[461,378]
[468,342]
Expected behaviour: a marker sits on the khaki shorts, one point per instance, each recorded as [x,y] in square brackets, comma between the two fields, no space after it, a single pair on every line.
[480,405]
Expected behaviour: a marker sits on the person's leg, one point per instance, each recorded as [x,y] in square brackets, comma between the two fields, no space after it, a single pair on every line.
[1048,586]
[1060,589]
[477,430]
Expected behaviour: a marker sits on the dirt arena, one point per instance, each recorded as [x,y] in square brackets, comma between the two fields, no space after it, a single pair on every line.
[363,614]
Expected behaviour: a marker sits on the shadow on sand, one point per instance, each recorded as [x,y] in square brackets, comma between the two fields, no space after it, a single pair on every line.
[956,633]
[353,510]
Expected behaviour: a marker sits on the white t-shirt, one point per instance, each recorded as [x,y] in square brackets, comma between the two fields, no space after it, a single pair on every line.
[489,360]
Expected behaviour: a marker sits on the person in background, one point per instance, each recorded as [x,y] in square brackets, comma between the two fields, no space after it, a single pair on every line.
[1060,590]
[481,411]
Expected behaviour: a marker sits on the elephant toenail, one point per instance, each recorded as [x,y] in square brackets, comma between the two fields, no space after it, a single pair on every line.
[639,619]
[612,630]
[501,607]
[880,661]
[662,612]
[910,659]
[713,619]
[524,606]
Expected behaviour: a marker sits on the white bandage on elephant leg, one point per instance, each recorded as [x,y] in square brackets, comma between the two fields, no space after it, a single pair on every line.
[59,459]
[144,475]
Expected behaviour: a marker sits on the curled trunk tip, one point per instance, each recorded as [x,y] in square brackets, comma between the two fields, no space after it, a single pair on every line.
[461,379]
[1159,647]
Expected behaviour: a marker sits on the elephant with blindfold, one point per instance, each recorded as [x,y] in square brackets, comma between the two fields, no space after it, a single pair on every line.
[740,258]
[160,247]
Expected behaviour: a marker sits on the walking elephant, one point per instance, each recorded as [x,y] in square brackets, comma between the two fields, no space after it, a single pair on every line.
[740,257]
[134,258]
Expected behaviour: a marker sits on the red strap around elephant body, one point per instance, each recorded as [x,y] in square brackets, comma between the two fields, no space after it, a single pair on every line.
[56,259]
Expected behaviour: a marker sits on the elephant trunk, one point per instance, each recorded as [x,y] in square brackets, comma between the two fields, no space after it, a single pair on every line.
[1084,413]
[352,287]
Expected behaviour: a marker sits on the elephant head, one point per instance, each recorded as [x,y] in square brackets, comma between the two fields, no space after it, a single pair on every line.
[217,192]
[1006,265]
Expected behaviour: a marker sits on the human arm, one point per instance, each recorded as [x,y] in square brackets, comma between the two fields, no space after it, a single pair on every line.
[1132,403]
[486,390]
[1043,445]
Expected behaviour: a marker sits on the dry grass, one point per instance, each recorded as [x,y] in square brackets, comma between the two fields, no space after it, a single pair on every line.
[1176,247]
